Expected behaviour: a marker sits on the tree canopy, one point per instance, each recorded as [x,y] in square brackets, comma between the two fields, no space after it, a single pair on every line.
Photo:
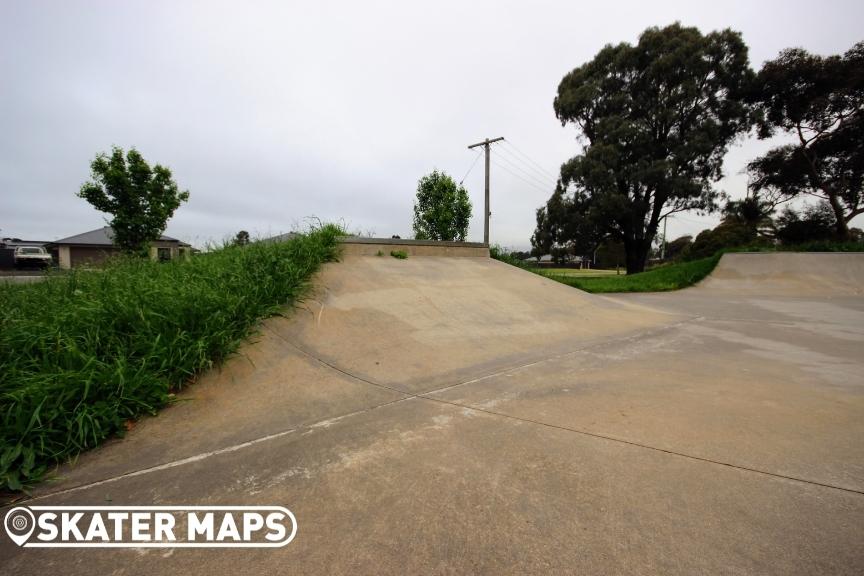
[442,209]
[242,238]
[141,199]
[818,100]
[657,118]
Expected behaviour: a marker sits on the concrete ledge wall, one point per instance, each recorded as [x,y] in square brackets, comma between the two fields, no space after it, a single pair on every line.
[371,247]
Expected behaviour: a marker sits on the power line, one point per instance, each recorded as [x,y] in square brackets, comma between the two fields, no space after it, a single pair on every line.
[531,169]
[474,163]
[525,174]
[521,178]
[533,166]
[539,167]
[701,223]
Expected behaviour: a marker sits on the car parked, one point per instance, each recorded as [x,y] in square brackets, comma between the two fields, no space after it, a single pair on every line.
[32,256]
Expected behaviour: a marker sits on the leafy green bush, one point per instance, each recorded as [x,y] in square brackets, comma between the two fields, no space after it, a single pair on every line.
[400,254]
[83,353]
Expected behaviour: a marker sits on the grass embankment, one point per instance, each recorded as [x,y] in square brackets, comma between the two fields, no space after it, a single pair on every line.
[82,354]
[660,279]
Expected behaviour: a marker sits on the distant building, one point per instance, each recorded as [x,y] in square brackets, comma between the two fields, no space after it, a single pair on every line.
[566,260]
[96,246]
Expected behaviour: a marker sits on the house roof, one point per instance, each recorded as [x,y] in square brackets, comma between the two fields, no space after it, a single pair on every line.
[281,237]
[12,242]
[104,237]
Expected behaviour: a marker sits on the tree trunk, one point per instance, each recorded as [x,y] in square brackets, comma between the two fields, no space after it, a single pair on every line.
[636,254]
[842,229]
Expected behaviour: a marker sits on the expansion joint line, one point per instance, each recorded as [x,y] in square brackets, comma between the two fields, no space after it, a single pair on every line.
[588,433]
[426,396]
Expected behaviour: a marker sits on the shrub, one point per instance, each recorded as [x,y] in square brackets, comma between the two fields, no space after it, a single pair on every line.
[497,252]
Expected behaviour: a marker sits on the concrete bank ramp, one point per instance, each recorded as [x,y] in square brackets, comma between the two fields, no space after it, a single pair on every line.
[424,322]
[788,274]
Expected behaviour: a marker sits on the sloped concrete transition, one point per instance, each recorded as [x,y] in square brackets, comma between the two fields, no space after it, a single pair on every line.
[457,415]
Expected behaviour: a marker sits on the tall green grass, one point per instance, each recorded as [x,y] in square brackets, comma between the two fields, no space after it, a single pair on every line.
[83,353]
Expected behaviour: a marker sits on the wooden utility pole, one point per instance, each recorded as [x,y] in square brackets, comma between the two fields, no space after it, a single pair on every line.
[486,213]
[663,248]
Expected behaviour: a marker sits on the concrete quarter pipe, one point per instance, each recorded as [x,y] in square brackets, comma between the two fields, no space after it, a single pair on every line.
[457,415]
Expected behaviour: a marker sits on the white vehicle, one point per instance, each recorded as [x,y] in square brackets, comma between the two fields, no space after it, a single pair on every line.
[27,256]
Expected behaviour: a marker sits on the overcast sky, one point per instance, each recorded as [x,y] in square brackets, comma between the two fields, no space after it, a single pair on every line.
[273,112]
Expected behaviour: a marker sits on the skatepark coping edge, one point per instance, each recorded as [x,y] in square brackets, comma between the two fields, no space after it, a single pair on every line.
[352,246]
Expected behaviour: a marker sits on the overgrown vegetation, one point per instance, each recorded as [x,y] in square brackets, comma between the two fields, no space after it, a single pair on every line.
[499,253]
[82,354]
[399,254]
[660,279]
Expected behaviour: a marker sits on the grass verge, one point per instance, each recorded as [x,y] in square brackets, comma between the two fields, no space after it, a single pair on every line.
[661,279]
[84,353]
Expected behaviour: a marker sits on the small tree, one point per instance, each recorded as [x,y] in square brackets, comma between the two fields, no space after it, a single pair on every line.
[242,238]
[442,208]
[140,198]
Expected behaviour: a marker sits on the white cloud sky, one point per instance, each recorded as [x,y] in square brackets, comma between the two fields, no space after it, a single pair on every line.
[272,112]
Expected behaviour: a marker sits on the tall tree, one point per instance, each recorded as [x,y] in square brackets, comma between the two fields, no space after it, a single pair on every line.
[818,101]
[657,119]
[442,209]
[141,199]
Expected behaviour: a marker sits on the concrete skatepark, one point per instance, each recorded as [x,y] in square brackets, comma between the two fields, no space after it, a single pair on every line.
[456,415]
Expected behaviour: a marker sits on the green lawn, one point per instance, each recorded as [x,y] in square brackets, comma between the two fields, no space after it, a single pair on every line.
[661,279]
[579,273]
[83,353]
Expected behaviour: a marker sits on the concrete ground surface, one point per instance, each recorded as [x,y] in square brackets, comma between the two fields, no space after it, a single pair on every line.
[460,416]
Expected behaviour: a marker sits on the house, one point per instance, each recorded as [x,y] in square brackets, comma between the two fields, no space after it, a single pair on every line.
[281,237]
[97,245]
